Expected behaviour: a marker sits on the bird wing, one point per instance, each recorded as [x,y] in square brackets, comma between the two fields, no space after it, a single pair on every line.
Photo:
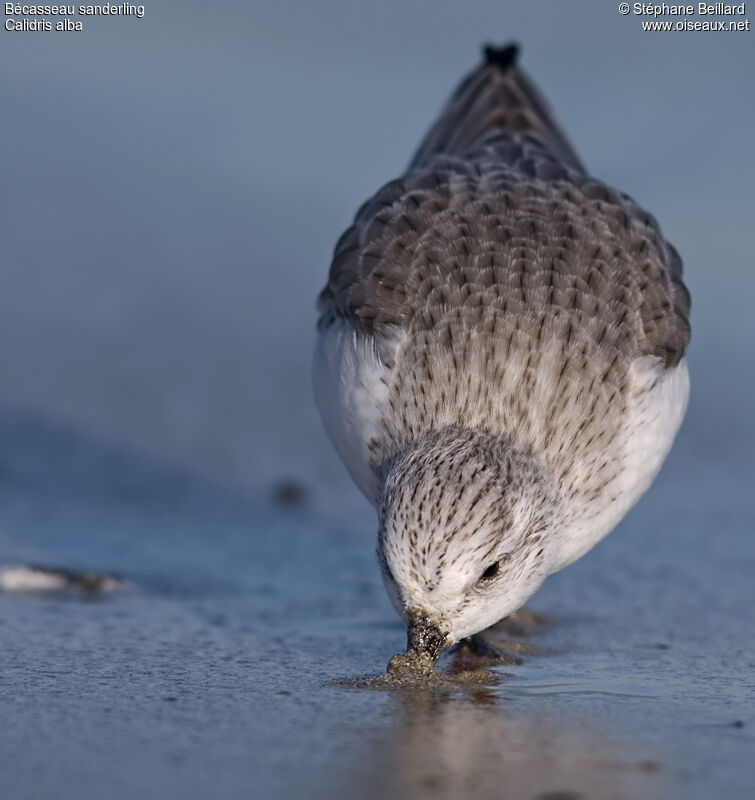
[496,190]
[496,105]
[495,108]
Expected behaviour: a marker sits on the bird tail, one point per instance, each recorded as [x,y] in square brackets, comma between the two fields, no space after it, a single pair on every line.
[496,101]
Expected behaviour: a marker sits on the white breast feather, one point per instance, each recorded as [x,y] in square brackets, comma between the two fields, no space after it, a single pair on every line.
[351,391]
[658,400]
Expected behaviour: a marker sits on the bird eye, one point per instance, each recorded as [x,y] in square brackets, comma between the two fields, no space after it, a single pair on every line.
[490,573]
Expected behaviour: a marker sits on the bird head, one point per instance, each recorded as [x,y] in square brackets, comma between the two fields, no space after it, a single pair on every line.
[465,524]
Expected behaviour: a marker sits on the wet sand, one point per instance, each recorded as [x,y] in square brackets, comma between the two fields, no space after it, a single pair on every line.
[244,650]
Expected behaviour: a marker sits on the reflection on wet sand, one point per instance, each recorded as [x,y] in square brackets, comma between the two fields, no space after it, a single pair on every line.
[470,743]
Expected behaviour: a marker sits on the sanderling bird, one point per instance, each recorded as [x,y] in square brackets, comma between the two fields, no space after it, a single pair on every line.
[500,359]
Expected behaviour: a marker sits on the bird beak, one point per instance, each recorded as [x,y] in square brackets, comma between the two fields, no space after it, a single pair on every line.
[425,641]
[423,636]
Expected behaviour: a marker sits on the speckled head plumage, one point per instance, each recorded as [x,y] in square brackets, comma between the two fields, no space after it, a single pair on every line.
[501,356]
[461,525]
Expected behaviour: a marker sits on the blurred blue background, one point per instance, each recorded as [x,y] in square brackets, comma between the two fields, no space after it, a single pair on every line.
[171,191]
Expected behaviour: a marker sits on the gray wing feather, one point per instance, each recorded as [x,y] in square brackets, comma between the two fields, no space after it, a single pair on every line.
[496,105]
[500,214]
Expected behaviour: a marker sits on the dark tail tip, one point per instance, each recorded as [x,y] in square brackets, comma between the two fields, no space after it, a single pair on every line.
[503,57]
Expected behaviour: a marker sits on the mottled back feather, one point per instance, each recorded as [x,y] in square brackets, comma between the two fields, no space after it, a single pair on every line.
[496,105]
[496,206]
